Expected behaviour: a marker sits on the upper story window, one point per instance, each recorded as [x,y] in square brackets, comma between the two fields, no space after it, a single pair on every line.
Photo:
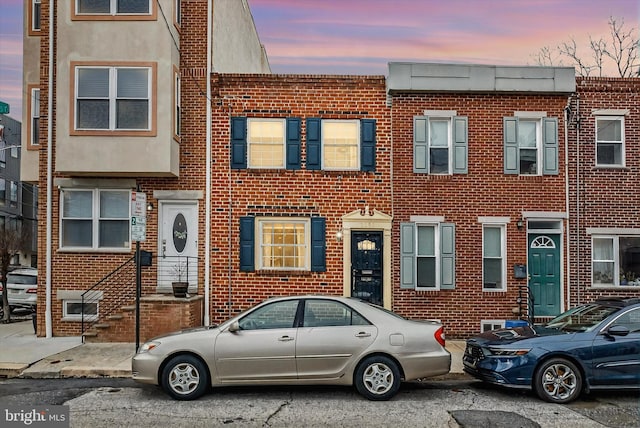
[530,145]
[493,257]
[340,145]
[177,17]
[34,16]
[34,113]
[177,99]
[113,98]
[13,194]
[113,7]
[95,219]
[610,141]
[440,143]
[266,141]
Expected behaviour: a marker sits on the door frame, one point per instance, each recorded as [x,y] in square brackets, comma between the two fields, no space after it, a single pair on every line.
[554,225]
[162,204]
[374,221]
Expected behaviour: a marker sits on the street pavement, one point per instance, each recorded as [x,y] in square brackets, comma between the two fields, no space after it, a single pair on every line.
[22,354]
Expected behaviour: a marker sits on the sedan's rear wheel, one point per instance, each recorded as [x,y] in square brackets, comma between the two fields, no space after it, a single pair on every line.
[558,381]
[378,378]
[185,377]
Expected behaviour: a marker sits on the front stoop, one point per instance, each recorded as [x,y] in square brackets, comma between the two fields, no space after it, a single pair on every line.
[160,314]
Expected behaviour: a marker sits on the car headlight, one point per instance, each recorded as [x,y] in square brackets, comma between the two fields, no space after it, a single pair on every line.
[499,352]
[148,347]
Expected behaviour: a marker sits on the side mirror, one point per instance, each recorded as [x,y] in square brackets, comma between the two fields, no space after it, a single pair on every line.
[618,330]
[234,327]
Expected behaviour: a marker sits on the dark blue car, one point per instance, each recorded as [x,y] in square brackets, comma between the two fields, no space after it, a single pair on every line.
[593,346]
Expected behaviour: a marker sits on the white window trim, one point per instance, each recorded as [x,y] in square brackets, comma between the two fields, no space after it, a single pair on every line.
[616,260]
[622,142]
[113,6]
[449,120]
[34,15]
[261,221]
[34,113]
[496,323]
[436,246]
[95,223]
[503,250]
[112,98]
[359,144]
[531,117]
[78,317]
[177,94]
[283,148]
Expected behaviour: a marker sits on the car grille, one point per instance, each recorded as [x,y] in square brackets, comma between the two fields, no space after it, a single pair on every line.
[474,352]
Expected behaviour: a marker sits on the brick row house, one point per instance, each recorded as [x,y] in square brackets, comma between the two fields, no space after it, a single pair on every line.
[441,191]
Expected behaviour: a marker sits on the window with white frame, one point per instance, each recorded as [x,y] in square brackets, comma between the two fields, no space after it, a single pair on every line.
[113,7]
[74,309]
[3,191]
[488,325]
[112,98]
[36,8]
[493,257]
[34,114]
[178,13]
[13,194]
[341,145]
[427,257]
[284,244]
[266,143]
[177,93]
[529,141]
[95,219]
[610,141]
[615,260]
[440,139]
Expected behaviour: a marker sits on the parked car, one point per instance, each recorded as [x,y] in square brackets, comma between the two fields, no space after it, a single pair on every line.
[298,340]
[22,286]
[592,346]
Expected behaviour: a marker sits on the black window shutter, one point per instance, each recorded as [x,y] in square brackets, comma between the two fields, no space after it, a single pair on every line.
[314,144]
[368,145]
[247,238]
[238,142]
[318,244]
[293,143]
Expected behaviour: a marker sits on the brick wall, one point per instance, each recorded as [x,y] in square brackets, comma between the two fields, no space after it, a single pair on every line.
[461,199]
[601,197]
[302,192]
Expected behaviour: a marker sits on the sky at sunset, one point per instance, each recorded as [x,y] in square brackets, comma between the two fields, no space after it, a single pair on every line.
[362,36]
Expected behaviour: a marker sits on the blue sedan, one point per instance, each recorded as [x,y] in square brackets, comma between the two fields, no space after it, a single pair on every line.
[593,346]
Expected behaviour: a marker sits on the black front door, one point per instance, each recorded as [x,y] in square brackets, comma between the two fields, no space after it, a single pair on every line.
[366,266]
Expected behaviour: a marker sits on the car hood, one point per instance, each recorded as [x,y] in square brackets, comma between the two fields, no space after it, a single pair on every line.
[504,336]
[185,331]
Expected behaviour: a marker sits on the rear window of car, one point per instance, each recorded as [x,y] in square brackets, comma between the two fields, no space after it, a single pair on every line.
[14,278]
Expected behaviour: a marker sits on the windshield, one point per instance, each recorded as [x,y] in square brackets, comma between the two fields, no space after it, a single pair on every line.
[582,318]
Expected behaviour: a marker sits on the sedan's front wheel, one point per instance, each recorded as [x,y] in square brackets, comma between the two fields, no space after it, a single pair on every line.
[185,377]
[558,381]
[378,378]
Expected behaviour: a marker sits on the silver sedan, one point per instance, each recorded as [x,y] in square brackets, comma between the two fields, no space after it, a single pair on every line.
[297,340]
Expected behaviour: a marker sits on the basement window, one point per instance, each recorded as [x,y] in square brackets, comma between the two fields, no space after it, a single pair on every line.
[72,310]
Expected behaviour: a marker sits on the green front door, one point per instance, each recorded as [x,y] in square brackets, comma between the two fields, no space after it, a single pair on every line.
[544,274]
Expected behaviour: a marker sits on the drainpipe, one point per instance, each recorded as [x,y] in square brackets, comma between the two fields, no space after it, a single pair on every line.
[578,231]
[47,313]
[567,206]
[207,202]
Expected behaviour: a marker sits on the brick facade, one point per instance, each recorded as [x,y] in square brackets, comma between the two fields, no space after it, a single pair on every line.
[601,197]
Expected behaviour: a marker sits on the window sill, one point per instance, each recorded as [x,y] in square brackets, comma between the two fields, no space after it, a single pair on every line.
[95,250]
[78,319]
[283,272]
[610,167]
[614,287]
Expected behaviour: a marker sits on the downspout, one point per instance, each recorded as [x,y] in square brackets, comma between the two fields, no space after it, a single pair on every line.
[578,231]
[49,230]
[566,195]
[207,202]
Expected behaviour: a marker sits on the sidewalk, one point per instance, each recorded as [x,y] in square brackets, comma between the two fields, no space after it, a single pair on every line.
[22,354]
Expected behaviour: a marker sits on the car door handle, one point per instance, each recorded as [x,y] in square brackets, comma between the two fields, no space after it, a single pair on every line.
[285,339]
[363,334]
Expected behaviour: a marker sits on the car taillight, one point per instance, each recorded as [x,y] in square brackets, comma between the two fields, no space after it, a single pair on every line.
[439,336]
[32,291]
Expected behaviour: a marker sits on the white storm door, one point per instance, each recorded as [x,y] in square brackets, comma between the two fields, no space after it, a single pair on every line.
[178,245]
